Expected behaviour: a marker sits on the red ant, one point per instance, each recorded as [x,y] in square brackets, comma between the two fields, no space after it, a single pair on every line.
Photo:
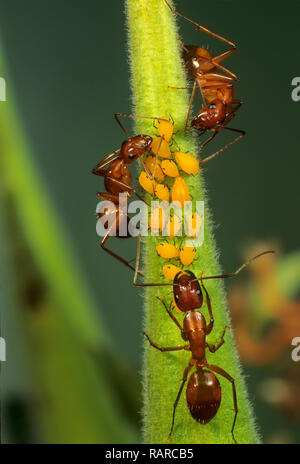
[203,391]
[117,179]
[216,89]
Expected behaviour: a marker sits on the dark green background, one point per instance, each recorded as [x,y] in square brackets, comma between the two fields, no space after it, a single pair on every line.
[69,68]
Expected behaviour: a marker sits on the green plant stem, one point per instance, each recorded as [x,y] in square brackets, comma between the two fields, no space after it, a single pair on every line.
[155,65]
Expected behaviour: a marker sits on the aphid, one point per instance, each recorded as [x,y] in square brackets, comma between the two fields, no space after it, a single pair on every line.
[219,104]
[187,255]
[187,162]
[157,220]
[167,250]
[193,225]
[169,271]
[203,392]
[162,192]
[151,163]
[180,191]
[169,168]
[148,184]
[160,145]
[174,227]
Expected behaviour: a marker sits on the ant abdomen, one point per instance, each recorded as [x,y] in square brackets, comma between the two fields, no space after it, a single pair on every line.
[203,395]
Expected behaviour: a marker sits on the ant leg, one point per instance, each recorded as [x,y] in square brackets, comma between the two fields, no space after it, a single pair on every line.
[137,261]
[184,379]
[111,253]
[128,187]
[170,314]
[209,307]
[220,371]
[235,273]
[190,105]
[242,134]
[168,348]
[99,168]
[202,28]
[214,348]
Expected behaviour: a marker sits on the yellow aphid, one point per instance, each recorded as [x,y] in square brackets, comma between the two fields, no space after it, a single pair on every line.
[160,146]
[170,271]
[187,255]
[168,251]
[162,192]
[169,168]
[147,183]
[187,162]
[150,163]
[173,226]
[157,220]
[165,129]
[194,225]
[175,306]
[180,191]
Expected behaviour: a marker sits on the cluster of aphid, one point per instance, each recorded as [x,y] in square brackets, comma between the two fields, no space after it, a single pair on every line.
[163,177]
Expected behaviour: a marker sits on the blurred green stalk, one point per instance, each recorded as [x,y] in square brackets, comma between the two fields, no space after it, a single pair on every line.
[70,355]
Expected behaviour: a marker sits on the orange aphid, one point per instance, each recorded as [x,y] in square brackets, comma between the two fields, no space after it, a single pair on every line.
[160,146]
[167,250]
[147,183]
[165,129]
[187,255]
[170,271]
[150,163]
[169,168]
[173,226]
[194,224]
[162,192]
[157,220]
[180,191]
[187,162]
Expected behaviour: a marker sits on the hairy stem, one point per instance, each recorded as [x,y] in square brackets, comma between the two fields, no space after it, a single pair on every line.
[155,65]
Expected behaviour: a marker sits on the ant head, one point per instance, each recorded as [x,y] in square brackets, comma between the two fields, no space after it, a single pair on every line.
[210,115]
[187,291]
[196,60]
[135,147]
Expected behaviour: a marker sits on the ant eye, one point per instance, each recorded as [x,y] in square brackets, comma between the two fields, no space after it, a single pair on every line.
[176,297]
[198,292]
[132,155]
[212,106]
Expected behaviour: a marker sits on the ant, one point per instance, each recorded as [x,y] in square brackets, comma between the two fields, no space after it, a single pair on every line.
[203,392]
[117,179]
[219,105]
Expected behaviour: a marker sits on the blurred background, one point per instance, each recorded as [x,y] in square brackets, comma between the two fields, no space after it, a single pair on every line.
[69,314]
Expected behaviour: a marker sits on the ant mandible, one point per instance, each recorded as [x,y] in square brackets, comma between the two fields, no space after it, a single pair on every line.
[203,392]
[216,89]
[117,179]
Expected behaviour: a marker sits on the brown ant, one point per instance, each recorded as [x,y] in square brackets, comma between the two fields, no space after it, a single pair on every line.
[203,391]
[117,179]
[216,89]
